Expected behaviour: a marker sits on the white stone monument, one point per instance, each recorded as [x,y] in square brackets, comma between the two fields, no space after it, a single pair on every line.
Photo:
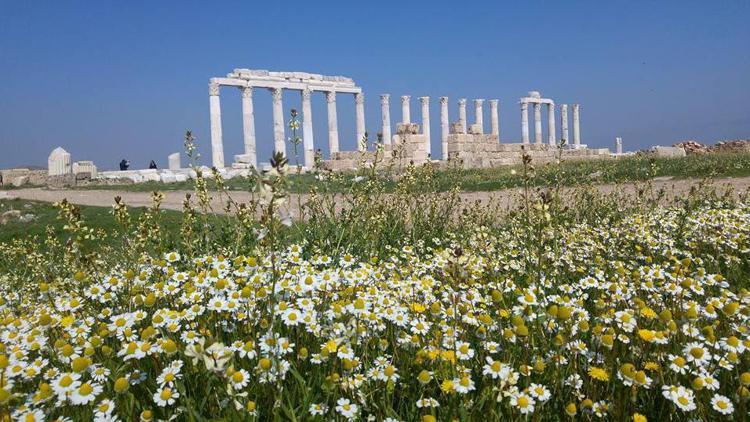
[174,161]
[85,167]
[58,163]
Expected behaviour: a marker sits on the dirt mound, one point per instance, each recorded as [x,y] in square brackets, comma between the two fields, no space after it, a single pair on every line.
[728,146]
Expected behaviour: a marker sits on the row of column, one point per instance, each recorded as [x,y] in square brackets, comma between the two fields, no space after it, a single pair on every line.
[550,123]
[248,124]
[444,119]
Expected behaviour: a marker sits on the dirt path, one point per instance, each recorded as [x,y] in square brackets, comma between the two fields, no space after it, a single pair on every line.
[173,199]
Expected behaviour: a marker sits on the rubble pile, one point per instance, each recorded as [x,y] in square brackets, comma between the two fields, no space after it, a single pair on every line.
[728,146]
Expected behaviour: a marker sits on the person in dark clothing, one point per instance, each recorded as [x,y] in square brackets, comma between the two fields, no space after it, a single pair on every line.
[124,164]
[152,165]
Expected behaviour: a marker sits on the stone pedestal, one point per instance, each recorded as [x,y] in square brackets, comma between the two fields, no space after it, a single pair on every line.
[59,163]
[174,161]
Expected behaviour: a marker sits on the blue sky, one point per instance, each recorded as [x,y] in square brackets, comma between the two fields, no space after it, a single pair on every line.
[108,80]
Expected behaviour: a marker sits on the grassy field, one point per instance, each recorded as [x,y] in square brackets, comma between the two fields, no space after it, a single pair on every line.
[399,306]
[634,168]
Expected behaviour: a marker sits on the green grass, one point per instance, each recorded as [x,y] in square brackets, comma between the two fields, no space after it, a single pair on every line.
[46,216]
[626,169]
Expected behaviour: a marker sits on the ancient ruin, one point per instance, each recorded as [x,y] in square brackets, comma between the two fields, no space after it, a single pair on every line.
[413,141]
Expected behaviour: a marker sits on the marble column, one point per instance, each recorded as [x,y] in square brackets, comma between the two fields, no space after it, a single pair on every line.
[564,123]
[537,123]
[217,144]
[525,122]
[444,126]
[576,127]
[385,112]
[494,118]
[279,143]
[359,105]
[462,114]
[307,129]
[248,125]
[618,145]
[405,110]
[426,121]
[551,138]
[479,114]
[333,126]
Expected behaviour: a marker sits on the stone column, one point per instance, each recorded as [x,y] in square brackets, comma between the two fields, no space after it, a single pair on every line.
[564,123]
[444,126]
[494,119]
[405,111]
[525,122]
[385,112]
[307,129]
[217,144]
[551,124]
[426,121]
[618,145]
[462,114]
[359,105]
[479,114]
[279,143]
[248,125]
[537,123]
[333,126]
[576,127]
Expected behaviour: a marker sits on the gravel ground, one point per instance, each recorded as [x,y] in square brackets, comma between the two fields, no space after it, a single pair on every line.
[173,199]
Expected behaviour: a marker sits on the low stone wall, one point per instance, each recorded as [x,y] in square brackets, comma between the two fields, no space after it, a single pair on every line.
[163,176]
[22,176]
[483,151]
[404,149]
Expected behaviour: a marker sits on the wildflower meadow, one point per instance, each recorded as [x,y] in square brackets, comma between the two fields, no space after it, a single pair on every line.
[406,305]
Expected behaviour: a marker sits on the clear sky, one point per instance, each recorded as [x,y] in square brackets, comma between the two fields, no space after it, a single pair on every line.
[110,80]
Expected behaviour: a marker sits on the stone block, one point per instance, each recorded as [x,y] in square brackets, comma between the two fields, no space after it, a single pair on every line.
[244,159]
[85,167]
[475,129]
[59,163]
[668,152]
[456,128]
[174,161]
[168,178]
[20,181]
[179,177]
[82,175]
[408,128]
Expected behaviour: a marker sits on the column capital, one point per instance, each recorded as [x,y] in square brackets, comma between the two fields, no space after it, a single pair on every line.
[478,101]
[359,98]
[524,105]
[405,98]
[247,91]
[331,96]
[306,93]
[494,102]
[385,98]
[462,101]
[275,93]
[443,100]
[424,99]
[213,89]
